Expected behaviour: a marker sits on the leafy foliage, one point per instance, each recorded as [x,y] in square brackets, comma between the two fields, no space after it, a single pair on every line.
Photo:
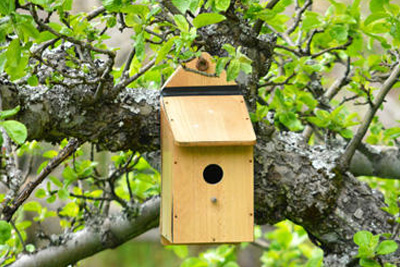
[319,64]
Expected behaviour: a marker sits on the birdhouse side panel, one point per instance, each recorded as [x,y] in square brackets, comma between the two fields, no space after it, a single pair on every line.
[213,194]
[167,148]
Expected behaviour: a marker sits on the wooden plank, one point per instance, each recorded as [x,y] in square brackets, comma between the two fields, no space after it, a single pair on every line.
[196,219]
[209,120]
[183,78]
[166,177]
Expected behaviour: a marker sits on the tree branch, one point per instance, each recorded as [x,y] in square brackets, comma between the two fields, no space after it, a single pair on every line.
[361,131]
[27,190]
[104,234]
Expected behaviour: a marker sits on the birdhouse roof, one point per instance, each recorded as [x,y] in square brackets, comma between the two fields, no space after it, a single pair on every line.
[209,120]
[204,110]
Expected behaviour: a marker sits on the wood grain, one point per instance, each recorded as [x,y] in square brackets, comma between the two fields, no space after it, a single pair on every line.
[167,148]
[196,218]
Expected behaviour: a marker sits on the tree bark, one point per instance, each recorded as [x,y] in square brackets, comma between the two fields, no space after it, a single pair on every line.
[97,236]
[292,180]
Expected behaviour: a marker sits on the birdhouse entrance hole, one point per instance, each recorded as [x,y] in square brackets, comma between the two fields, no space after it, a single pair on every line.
[213,174]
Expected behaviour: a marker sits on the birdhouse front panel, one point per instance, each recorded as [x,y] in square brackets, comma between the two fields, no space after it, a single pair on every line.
[212,194]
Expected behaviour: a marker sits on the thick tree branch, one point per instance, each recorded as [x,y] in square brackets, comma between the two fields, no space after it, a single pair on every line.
[380,161]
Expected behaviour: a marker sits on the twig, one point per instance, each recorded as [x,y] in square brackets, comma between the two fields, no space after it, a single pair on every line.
[67,151]
[125,82]
[340,47]
[19,235]
[299,14]
[127,67]
[331,93]
[212,75]
[68,38]
[90,198]
[361,131]
[258,24]
[95,13]
[264,245]
[289,49]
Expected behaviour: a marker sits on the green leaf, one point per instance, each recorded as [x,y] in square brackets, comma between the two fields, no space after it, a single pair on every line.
[377,5]
[140,46]
[207,19]
[33,206]
[30,248]
[112,5]
[194,262]
[71,210]
[33,80]
[339,33]
[290,120]
[362,238]
[346,133]
[14,53]
[63,194]
[40,193]
[181,23]
[230,49]
[69,174]
[233,70]
[141,10]
[15,130]
[7,6]
[5,231]
[220,66]
[5,114]
[365,262]
[386,247]
[50,154]
[222,5]
[162,53]
[312,20]
[181,5]
[180,251]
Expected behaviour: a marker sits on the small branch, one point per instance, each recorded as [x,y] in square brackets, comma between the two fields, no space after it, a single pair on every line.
[264,245]
[90,198]
[95,13]
[125,82]
[352,146]
[289,49]
[340,47]
[67,151]
[331,93]
[68,38]
[299,14]
[258,24]
[212,75]
[19,235]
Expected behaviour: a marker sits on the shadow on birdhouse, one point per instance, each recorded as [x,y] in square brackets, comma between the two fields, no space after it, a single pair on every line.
[207,159]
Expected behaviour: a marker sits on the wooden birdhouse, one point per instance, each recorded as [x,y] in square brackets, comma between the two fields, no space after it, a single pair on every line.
[207,159]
